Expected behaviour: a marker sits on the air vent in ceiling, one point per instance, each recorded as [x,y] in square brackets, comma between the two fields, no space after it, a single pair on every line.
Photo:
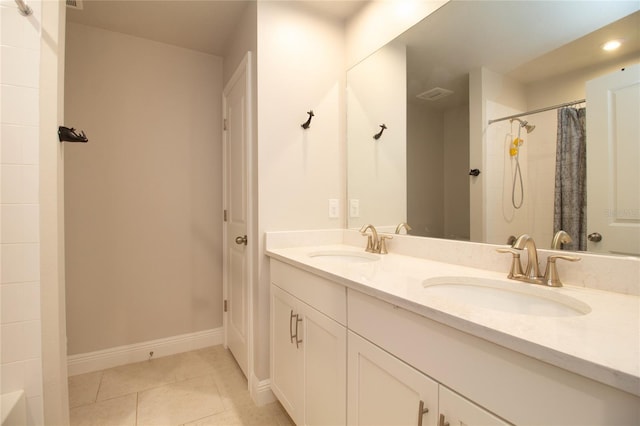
[75,4]
[433,94]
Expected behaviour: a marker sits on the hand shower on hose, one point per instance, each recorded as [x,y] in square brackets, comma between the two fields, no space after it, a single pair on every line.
[514,151]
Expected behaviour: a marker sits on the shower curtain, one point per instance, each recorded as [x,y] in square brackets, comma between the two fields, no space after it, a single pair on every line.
[570,204]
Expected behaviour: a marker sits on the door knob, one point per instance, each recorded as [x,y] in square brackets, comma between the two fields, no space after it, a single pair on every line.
[241,240]
[594,237]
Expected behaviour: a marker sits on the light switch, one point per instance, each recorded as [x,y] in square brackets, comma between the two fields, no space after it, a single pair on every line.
[334,208]
[354,207]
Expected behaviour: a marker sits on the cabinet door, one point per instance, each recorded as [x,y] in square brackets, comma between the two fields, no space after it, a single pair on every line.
[382,390]
[324,344]
[458,411]
[286,377]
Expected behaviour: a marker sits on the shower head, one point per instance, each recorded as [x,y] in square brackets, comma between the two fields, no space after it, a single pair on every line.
[528,127]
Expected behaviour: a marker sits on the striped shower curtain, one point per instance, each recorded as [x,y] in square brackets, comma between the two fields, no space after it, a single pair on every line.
[570,205]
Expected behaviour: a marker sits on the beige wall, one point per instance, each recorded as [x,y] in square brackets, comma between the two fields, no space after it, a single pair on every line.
[425,160]
[143,197]
[456,173]
[243,40]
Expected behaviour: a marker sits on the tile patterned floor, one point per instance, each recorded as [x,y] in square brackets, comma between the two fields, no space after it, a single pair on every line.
[203,387]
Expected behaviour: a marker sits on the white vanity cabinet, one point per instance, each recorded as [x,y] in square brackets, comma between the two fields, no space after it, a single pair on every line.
[491,379]
[399,364]
[308,346]
[454,410]
[383,390]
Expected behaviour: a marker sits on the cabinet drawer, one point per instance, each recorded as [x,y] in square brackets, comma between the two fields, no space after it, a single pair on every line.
[327,297]
[518,388]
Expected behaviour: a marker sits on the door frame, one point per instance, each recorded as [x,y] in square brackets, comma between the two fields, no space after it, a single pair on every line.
[245,67]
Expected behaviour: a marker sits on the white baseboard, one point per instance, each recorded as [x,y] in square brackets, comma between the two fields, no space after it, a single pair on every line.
[112,357]
[260,391]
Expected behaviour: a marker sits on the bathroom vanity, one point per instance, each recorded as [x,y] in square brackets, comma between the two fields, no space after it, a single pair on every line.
[362,339]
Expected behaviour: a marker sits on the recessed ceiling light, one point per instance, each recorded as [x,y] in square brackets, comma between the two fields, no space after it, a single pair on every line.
[611,45]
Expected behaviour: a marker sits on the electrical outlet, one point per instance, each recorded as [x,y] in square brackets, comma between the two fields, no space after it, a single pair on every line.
[334,208]
[354,207]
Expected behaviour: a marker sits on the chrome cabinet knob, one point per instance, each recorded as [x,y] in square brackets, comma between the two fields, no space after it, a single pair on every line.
[241,240]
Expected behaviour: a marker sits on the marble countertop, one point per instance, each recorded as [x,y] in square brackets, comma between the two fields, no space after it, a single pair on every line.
[603,345]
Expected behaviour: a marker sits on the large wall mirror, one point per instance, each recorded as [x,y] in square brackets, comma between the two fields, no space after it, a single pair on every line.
[475,88]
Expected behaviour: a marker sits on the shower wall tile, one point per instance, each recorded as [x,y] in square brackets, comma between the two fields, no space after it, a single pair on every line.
[20,336]
[12,376]
[20,302]
[19,105]
[25,75]
[23,375]
[20,263]
[17,30]
[19,145]
[19,184]
[20,341]
[32,380]
[20,223]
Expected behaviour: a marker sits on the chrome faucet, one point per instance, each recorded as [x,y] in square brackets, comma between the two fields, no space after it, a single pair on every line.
[375,243]
[404,225]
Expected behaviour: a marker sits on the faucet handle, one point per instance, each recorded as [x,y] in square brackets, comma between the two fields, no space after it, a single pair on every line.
[516,266]
[551,272]
[382,249]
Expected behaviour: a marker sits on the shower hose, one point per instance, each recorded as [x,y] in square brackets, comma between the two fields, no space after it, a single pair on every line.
[517,176]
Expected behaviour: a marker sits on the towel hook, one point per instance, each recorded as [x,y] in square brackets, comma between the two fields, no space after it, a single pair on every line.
[66,134]
[307,123]
[382,129]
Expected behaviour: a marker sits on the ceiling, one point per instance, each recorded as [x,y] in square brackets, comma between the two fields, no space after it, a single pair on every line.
[526,40]
[202,25]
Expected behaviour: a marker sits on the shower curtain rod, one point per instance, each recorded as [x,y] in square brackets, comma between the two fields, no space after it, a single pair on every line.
[535,111]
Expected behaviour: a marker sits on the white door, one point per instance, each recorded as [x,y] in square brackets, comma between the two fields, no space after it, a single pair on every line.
[613,162]
[382,390]
[236,198]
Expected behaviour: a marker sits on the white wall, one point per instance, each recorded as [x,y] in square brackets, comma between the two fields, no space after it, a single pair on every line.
[20,337]
[144,196]
[300,68]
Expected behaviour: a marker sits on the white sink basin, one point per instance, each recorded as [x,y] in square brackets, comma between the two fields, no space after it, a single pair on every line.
[345,256]
[506,296]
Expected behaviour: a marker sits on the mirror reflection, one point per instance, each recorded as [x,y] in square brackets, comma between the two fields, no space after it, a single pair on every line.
[482,104]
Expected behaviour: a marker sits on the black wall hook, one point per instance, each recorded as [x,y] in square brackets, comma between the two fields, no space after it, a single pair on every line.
[307,123]
[66,134]
[382,129]
[474,172]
